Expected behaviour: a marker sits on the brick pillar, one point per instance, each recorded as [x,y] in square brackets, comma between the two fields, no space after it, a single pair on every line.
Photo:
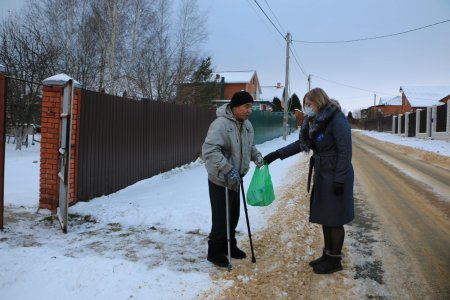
[74,147]
[50,141]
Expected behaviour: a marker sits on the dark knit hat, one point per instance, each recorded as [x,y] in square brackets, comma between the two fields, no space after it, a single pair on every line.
[240,98]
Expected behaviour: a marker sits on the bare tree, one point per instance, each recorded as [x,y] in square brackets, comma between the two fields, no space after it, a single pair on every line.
[140,20]
[108,24]
[136,46]
[66,24]
[29,57]
[172,54]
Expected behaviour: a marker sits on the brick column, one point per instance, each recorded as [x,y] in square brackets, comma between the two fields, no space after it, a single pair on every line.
[50,141]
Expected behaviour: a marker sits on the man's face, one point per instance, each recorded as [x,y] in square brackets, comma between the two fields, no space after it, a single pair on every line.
[242,112]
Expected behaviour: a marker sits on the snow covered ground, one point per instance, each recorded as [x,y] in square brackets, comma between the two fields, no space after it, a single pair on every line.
[147,241]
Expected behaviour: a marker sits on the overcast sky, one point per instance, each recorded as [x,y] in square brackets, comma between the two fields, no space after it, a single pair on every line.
[242,38]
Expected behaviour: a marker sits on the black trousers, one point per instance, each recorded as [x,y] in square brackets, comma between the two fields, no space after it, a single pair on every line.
[218,212]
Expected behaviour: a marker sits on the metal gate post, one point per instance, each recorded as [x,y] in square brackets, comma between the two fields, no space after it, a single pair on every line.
[64,153]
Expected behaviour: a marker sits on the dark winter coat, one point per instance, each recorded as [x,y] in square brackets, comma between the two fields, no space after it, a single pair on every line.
[329,136]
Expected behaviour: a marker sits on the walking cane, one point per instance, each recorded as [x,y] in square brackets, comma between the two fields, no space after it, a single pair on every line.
[228,225]
[248,222]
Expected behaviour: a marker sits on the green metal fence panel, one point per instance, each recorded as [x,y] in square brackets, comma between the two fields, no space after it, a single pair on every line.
[269,125]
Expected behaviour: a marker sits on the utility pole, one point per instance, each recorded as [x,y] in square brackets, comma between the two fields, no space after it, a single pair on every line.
[286,87]
[374,99]
[309,82]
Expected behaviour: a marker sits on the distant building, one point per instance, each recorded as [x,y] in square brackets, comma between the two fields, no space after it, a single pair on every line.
[411,99]
[221,86]
[420,97]
[386,106]
[268,93]
[235,81]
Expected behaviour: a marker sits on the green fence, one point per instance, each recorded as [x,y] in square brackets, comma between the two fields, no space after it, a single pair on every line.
[269,125]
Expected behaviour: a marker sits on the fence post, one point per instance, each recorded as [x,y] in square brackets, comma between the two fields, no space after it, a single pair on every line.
[50,139]
[399,124]
[429,121]
[2,144]
[447,128]
[418,122]
[394,120]
[407,124]
[433,120]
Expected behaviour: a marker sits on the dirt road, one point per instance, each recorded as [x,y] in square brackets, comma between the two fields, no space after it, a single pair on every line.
[398,246]
[409,193]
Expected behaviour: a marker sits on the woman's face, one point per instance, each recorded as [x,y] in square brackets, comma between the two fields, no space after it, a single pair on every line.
[313,105]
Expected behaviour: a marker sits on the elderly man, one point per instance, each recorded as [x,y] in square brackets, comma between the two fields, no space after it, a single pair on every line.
[227,151]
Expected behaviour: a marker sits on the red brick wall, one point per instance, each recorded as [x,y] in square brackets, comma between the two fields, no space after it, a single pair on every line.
[406,106]
[385,110]
[251,87]
[232,88]
[50,139]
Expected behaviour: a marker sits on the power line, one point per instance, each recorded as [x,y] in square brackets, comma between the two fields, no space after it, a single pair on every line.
[265,24]
[298,63]
[292,50]
[274,15]
[353,87]
[269,18]
[370,38]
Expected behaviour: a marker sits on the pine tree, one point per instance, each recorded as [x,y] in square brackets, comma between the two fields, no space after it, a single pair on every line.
[204,71]
[295,103]
[277,104]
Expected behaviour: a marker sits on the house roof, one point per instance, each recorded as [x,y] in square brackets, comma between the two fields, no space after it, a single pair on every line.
[390,101]
[235,76]
[268,93]
[424,96]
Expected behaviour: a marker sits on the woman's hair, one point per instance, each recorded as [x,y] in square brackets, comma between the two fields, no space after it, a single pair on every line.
[318,96]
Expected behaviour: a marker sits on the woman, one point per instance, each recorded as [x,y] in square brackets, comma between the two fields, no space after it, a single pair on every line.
[325,130]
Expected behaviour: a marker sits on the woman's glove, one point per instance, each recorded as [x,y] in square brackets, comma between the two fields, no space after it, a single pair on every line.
[271,157]
[338,188]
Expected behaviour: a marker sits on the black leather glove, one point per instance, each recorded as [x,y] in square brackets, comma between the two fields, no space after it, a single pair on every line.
[271,157]
[233,176]
[338,188]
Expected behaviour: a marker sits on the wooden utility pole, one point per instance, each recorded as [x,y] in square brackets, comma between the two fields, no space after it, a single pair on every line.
[286,87]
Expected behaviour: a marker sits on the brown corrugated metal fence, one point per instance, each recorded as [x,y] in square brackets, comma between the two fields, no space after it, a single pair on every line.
[122,141]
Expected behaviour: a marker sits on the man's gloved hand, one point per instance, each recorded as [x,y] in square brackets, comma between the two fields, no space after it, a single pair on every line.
[259,162]
[338,188]
[233,176]
[271,157]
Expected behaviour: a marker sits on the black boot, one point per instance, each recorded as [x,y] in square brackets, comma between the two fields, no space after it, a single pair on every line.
[236,253]
[330,265]
[216,254]
[320,259]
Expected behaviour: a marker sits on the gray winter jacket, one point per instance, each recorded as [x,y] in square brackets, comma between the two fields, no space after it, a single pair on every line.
[228,144]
